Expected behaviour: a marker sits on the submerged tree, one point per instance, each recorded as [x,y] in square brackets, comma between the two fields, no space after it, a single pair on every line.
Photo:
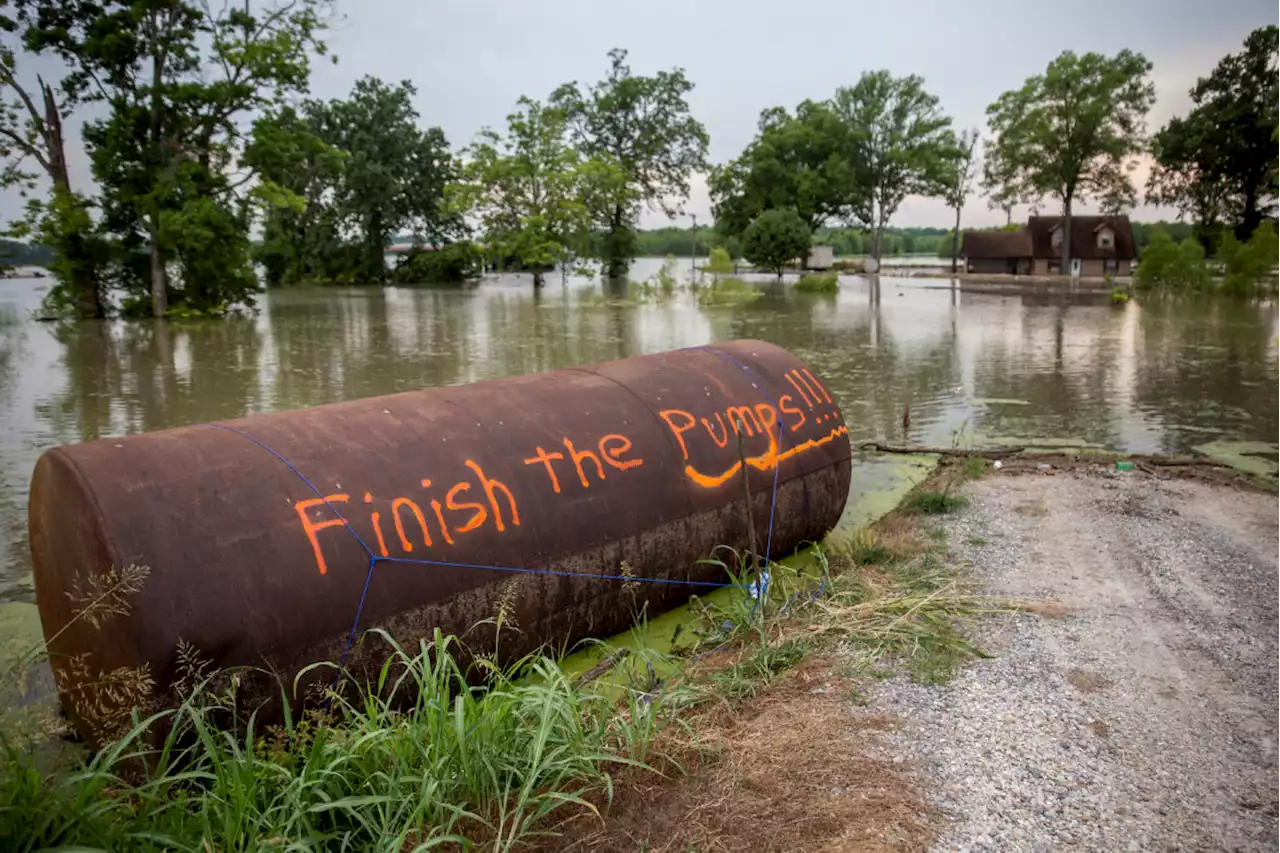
[1219,162]
[775,239]
[532,193]
[1072,132]
[899,144]
[176,78]
[957,182]
[643,125]
[394,172]
[796,161]
[31,132]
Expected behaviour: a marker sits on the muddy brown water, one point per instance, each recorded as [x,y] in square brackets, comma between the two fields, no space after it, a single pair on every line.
[972,368]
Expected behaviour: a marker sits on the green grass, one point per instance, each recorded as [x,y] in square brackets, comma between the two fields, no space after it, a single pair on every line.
[976,541]
[935,503]
[974,467]
[814,283]
[420,759]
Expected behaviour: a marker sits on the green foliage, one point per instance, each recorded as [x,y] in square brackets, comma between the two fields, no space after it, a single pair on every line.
[796,161]
[421,759]
[1119,295]
[641,125]
[1071,133]
[178,79]
[775,239]
[901,145]
[719,263]
[1250,267]
[453,263]
[956,183]
[534,195]
[341,179]
[814,283]
[1218,163]
[1169,264]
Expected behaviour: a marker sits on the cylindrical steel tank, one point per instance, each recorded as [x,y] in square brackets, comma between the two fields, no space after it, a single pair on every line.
[628,468]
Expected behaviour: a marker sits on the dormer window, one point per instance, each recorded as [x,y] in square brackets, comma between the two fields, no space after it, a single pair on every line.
[1106,239]
[1057,238]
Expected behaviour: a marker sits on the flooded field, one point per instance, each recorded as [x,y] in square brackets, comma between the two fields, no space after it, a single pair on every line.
[1046,369]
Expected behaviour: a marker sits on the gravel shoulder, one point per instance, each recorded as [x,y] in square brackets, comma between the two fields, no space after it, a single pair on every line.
[1141,717]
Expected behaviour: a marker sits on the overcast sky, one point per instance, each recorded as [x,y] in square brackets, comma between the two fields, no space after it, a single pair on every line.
[471,59]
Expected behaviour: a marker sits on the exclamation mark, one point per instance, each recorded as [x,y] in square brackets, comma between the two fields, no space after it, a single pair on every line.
[799,390]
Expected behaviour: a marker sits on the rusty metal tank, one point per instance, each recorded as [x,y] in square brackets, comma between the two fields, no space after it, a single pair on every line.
[264,538]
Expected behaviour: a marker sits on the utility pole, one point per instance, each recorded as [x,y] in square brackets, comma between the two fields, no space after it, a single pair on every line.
[693,260]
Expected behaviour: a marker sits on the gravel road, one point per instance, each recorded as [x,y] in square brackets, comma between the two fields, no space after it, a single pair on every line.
[1142,719]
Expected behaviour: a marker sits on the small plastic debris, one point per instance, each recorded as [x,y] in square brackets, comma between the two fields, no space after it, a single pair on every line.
[1043,466]
[997,464]
[1124,465]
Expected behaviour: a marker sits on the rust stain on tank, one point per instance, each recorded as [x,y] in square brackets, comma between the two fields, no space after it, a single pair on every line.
[574,472]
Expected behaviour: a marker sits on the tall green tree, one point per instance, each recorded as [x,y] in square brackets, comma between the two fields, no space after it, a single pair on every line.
[33,151]
[642,124]
[900,141]
[796,161]
[532,193]
[394,172]
[302,238]
[177,79]
[775,239]
[957,181]
[1218,163]
[1071,133]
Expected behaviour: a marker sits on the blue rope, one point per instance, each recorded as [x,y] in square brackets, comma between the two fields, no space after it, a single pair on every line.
[310,485]
[763,583]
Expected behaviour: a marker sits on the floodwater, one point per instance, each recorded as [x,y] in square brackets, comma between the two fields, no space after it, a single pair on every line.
[1153,375]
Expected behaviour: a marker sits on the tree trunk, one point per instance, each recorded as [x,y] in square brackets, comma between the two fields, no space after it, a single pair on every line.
[159,284]
[616,264]
[537,280]
[82,273]
[955,242]
[1066,237]
[1251,218]
[159,280]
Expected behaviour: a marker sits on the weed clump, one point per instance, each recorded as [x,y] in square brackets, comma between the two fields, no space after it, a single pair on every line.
[935,503]
[819,283]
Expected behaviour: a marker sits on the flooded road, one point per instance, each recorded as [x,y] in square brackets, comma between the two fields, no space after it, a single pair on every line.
[1154,375]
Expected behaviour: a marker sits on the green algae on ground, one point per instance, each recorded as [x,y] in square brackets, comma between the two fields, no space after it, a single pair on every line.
[649,645]
[20,631]
[1251,457]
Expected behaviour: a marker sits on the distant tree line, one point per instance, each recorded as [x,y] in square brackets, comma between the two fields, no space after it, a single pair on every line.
[200,134]
[17,254]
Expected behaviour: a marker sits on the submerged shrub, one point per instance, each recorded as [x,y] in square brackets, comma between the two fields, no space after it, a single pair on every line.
[449,264]
[819,283]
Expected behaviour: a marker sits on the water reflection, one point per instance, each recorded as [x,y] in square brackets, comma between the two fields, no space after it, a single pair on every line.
[969,365]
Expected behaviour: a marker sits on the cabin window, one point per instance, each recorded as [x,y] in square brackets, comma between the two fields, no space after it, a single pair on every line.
[1110,266]
[1057,238]
[1106,238]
